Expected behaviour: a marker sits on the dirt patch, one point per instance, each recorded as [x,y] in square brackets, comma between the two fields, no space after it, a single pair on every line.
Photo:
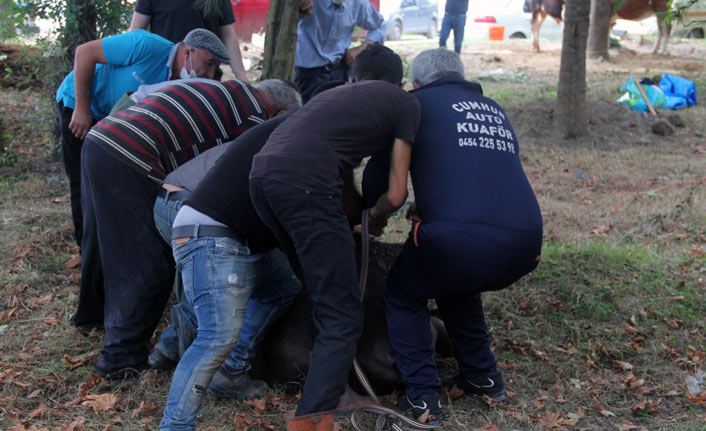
[21,67]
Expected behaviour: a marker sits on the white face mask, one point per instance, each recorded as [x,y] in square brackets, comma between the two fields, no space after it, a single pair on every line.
[337,2]
[186,75]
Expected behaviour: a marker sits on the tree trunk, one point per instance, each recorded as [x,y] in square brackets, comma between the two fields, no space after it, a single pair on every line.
[280,40]
[571,98]
[599,30]
[80,25]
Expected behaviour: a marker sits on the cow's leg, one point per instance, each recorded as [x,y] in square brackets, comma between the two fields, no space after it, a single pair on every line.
[536,25]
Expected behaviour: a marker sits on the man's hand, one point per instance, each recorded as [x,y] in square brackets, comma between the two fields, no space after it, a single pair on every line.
[376,222]
[81,123]
[352,53]
[305,6]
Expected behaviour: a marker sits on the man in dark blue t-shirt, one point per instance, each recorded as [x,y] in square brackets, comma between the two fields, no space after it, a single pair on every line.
[478,227]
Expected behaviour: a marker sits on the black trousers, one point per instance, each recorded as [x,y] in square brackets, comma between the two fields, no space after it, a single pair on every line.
[309,79]
[313,230]
[71,151]
[137,265]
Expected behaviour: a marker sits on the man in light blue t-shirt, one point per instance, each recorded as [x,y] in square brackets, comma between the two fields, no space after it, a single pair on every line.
[104,70]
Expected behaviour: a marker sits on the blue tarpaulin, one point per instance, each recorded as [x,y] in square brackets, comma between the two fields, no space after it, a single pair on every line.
[678,92]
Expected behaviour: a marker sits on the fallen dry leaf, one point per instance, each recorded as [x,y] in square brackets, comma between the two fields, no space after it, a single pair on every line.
[624,365]
[626,425]
[257,404]
[100,402]
[144,410]
[601,230]
[489,427]
[701,399]
[74,262]
[539,402]
[630,330]
[79,361]
[673,324]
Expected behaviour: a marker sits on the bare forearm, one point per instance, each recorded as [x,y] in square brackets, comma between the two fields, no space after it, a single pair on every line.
[230,40]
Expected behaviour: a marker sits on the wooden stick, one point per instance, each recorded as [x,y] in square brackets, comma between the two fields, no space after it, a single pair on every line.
[644,96]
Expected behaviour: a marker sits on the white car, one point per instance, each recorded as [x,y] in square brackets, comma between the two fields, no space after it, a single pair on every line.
[509,14]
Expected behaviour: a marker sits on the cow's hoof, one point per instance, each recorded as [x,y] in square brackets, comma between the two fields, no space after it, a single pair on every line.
[240,386]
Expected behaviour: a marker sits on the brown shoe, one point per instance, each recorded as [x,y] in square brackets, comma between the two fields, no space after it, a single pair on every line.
[322,421]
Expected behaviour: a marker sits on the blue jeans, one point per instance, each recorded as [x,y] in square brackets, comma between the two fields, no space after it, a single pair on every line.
[457,23]
[219,276]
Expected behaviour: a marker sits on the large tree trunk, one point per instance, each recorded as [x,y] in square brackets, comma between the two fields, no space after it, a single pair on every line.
[571,98]
[599,30]
[280,39]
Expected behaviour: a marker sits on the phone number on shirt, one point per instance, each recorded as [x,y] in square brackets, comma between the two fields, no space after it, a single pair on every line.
[489,143]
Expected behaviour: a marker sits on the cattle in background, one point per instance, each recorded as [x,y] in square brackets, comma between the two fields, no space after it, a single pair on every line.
[633,10]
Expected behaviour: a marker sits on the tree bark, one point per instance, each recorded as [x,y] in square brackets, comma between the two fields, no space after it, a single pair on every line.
[599,29]
[280,40]
[571,97]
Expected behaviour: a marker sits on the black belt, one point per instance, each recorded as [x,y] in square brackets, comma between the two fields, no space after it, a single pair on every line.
[332,66]
[206,230]
[178,195]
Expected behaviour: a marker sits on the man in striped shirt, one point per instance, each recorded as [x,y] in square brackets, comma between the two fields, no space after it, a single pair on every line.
[124,159]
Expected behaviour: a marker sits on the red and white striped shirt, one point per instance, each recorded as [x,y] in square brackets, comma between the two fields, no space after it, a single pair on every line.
[177,123]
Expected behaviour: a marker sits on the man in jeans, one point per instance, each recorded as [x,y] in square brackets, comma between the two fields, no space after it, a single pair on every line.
[225,255]
[295,185]
[268,302]
[454,19]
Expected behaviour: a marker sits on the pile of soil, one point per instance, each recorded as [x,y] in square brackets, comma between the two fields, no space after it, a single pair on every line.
[21,67]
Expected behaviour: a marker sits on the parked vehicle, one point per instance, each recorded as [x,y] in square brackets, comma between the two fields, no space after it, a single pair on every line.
[410,17]
[693,20]
[483,14]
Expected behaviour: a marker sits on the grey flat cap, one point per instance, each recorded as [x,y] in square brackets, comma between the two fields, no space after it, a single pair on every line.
[204,39]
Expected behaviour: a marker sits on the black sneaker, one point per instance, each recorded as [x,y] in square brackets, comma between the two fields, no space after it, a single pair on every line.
[126,373]
[490,384]
[239,386]
[160,361]
[417,407]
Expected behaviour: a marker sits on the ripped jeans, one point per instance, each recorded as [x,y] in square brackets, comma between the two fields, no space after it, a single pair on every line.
[219,276]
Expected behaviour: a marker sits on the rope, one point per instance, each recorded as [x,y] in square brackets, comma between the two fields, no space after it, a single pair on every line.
[385,415]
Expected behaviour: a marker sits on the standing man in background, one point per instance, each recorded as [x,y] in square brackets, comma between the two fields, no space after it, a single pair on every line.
[454,19]
[324,36]
[172,19]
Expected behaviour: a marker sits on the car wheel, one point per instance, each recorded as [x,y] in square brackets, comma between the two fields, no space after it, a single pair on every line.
[396,33]
[696,33]
[432,32]
[518,35]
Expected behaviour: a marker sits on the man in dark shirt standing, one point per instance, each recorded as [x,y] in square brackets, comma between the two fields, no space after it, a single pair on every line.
[295,186]
[454,19]
[172,19]
[479,228]
[124,159]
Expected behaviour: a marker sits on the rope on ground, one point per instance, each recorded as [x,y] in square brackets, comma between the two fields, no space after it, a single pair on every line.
[397,421]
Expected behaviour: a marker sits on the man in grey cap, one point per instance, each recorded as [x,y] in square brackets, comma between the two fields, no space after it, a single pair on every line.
[104,70]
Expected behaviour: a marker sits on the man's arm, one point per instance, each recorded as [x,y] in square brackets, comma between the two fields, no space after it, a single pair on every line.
[139,21]
[396,193]
[230,40]
[370,20]
[87,56]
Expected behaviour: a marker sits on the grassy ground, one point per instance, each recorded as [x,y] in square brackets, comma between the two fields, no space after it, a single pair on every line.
[602,336]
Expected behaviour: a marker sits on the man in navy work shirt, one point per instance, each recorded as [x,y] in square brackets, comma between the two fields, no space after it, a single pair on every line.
[295,186]
[478,228]
[324,36]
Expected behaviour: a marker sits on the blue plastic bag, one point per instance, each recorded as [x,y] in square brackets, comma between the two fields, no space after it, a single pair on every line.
[679,92]
[633,99]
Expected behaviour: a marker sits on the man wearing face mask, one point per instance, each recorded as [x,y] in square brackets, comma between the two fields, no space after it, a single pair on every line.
[104,70]
[324,36]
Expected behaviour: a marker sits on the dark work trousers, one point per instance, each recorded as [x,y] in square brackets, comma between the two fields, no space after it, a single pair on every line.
[137,265]
[71,152]
[313,230]
[452,263]
[309,79]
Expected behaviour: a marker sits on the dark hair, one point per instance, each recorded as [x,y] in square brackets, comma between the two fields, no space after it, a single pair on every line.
[326,86]
[378,62]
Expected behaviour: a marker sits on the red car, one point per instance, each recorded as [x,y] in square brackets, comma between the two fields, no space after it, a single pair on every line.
[251,16]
